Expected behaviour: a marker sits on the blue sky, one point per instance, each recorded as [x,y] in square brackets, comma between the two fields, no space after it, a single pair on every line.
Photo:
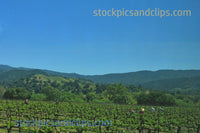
[65,36]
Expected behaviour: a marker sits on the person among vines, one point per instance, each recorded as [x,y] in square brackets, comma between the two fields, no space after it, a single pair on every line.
[132,111]
[26,102]
[160,109]
[152,109]
[142,111]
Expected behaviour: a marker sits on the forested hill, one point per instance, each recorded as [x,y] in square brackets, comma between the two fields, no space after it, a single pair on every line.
[161,79]
[134,78]
[142,77]
[35,82]
[4,68]
[188,85]
[15,74]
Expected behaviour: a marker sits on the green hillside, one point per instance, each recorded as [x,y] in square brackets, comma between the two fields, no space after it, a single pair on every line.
[186,80]
[4,68]
[15,74]
[35,82]
[185,85]
[56,88]
[141,77]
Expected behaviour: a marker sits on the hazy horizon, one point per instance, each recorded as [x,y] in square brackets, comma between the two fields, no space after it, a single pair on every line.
[103,73]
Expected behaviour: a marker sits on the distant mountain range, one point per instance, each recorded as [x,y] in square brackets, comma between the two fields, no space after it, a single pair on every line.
[161,79]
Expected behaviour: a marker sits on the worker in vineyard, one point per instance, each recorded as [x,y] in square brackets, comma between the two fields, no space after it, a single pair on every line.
[26,102]
[132,111]
[152,109]
[142,111]
[160,109]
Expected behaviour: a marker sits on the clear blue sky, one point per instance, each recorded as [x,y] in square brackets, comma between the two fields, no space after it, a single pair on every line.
[63,35]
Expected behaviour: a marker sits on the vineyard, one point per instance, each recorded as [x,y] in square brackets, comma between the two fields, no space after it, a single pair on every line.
[170,120]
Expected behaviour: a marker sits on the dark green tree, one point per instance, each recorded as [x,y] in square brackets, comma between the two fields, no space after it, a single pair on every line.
[117,93]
